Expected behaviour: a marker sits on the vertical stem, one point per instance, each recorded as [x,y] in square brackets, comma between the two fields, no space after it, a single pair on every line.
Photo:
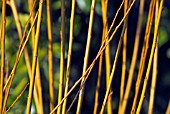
[153,84]
[3,29]
[12,74]
[30,3]
[26,55]
[102,48]
[144,53]
[134,57]
[50,55]
[105,40]
[114,64]
[104,4]
[155,41]
[34,63]
[62,37]
[80,100]
[154,71]
[117,52]
[38,88]
[111,76]
[19,53]
[123,58]
[69,55]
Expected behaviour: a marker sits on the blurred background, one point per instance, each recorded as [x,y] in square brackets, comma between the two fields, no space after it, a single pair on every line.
[82,12]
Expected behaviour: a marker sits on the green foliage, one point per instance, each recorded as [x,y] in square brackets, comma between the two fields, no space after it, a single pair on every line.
[23,19]
[56,5]
[12,44]
[163,36]
[84,5]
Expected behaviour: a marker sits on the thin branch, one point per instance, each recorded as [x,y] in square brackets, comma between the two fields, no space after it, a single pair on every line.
[155,41]
[102,48]
[134,57]
[19,96]
[154,71]
[50,56]
[35,56]
[3,31]
[89,36]
[62,51]
[69,54]
[144,53]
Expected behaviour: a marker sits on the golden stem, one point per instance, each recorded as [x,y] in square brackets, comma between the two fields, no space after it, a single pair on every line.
[154,71]
[151,57]
[62,51]
[50,56]
[143,54]
[69,55]
[3,30]
[133,62]
[35,56]
[89,36]
[102,48]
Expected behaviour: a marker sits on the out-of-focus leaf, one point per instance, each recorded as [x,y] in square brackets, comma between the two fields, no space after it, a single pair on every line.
[84,5]
[163,36]
[20,86]
[145,18]
[168,53]
[21,73]
[165,12]
[23,19]
[77,46]
[166,79]
[9,22]
[11,51]
[57,75]
[42,53]
[98,8]
[56,49]
[1,4]
[77,25]
[17,109]
[56,5]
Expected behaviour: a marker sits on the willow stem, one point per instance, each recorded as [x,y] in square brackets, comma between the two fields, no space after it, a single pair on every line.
[3,30]
[154,71]
[133,62]
[62,51]
[69,54]
[154,43]
[102,48]
[35,56]
[89,36]
[50,56]
[143,54]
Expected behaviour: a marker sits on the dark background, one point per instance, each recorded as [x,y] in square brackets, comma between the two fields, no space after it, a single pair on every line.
[80,35]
